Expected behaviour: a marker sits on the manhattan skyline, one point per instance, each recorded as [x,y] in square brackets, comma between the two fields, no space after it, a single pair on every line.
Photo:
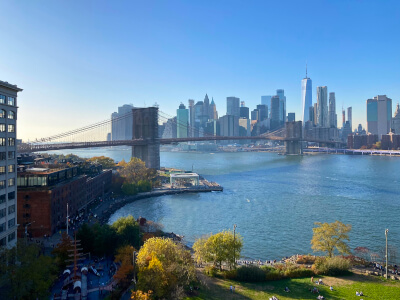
[78,61]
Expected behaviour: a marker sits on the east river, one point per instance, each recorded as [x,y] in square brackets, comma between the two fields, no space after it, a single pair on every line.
[275,200]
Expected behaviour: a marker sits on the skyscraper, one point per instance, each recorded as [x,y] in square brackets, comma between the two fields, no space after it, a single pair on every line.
[306,98]
[379,115]
[122,123]
[396,120]
[191,117]
[8,168]
[206,105]
[322,100]
[282,105]
[315,114]
[291,117]
[212,111]
[349,118]
[275,118]
[232,106]
[343,117]
[182,120]
[244,111]
[262,112]
[266,100]
[332,110]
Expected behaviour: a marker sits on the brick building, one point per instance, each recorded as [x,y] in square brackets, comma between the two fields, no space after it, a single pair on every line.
[44,193]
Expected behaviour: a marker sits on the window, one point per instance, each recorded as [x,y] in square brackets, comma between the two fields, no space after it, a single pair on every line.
[3,227]
[11,209]
[2,141]
[11,128]
[27,206]
[11,223]
[11,114]
[2,184]
[2,156]
[3,242]
[11,169]
[2,170]
[2,99]
[3,212]
[11,181]
[2,198]
[11,236]
[11,154]
[2,127]
[11,101]
[11,142]
[2,113]
[11,196]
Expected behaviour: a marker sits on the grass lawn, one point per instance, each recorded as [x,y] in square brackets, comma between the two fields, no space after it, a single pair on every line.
[345,287]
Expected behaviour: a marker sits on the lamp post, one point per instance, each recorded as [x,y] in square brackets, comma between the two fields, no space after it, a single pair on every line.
[26,229]
[386,234]
[67,218]
[234,245]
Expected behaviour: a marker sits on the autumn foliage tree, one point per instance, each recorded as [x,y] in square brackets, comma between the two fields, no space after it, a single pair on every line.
[164,267]
[136,176]
[124,273]
[330,236]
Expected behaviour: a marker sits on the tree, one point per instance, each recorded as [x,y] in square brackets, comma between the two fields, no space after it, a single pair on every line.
[139,295]
[128,231]
[61,251]
[25,273]
[328,236]
[124,256]
[136,170]
[219,248]
[106,162]
[164,267]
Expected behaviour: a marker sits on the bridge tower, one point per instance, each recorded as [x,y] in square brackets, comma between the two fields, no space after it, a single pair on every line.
[294,137]
[145,126]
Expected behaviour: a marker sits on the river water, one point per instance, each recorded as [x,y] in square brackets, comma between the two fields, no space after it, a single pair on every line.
[275,200]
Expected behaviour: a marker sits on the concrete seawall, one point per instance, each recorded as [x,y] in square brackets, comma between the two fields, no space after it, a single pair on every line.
[106,214]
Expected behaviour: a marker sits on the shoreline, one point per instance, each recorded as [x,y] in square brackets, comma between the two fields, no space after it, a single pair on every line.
[106,214]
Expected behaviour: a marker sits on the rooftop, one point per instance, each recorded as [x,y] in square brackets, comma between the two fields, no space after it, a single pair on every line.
[10,86]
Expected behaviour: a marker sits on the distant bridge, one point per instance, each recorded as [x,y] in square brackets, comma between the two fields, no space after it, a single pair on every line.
[146,143]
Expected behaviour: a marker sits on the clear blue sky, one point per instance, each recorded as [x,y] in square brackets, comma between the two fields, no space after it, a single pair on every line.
[77,61]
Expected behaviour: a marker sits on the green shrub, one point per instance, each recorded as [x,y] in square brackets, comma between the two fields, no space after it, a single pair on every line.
[232,274]
[274,274]
[211,271]
[331,266]
[250,274]
[298,272]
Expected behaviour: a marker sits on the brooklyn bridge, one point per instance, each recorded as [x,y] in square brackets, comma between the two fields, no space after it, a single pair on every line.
[145,140]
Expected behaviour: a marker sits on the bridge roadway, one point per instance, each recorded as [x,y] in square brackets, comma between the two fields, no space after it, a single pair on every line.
[26,148]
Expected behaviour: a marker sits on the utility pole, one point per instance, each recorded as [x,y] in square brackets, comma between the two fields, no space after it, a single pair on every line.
[234,245]
[386,234]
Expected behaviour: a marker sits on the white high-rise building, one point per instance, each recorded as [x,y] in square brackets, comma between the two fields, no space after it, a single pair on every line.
[322,100]
[379,115]
[8,164]
[121,123]
[306,98]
